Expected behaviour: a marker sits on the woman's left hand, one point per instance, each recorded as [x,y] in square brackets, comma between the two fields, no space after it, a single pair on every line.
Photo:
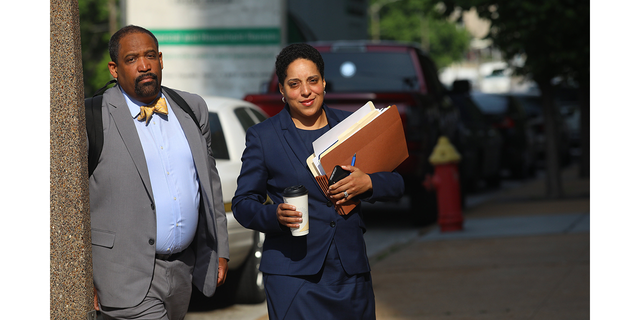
[354,184]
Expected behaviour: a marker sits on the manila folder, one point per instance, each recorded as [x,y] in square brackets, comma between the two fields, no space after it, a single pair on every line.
[379,146]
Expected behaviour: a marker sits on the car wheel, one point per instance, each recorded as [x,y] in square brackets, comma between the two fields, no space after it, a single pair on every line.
[249,284]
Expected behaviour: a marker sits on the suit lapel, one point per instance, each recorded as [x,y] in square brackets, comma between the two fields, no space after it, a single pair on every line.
[295,144]
[332,117]
[286,132]
[292,138]
[124,124]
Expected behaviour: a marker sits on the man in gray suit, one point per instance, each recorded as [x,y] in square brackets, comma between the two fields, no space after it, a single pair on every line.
[157,218]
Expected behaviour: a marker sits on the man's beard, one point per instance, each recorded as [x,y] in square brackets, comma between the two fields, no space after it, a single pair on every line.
[149,89]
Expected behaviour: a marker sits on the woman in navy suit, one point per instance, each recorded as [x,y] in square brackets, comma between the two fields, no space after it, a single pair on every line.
[325,274]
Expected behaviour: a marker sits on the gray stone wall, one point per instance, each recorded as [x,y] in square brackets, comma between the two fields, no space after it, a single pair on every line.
[71,275]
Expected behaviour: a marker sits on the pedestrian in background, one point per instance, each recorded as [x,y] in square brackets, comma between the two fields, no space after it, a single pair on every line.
[157,218]
[325,274]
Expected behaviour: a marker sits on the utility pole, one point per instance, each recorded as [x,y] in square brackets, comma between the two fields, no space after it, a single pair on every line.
[374,12]
[113,17]
[424,32]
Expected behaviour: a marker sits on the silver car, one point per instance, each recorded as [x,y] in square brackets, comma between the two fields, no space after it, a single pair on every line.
[229,120]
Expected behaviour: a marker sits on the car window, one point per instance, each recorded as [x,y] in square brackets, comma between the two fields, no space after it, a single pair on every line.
[248,117]
[517,109]
[363,71]
[469,112]
[431,74]
[218,142]
[532,105]
[491,103]
[261,117]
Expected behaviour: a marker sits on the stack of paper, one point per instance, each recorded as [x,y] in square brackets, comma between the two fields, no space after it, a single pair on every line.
[375,136]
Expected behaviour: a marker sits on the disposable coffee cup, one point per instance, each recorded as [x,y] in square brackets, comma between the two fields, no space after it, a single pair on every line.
[299,197]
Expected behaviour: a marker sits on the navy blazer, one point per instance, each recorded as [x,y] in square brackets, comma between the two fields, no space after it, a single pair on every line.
[274,159]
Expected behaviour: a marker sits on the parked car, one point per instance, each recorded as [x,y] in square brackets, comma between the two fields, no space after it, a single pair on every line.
[229,120]
[481,154]
[498,81]
[387,73]
[506,113]
[533,107]
[568,102]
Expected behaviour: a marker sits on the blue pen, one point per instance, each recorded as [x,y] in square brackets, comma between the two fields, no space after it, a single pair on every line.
[353,160]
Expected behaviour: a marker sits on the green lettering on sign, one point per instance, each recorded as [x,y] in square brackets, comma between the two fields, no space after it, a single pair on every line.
[215,37]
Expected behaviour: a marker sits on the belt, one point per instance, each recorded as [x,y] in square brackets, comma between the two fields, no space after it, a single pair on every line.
[168,256]
[163,256]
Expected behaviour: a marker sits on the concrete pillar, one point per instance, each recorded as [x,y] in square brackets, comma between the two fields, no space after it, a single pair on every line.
[71,269]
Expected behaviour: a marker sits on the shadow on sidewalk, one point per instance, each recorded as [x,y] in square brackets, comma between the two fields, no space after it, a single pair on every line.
[520,256]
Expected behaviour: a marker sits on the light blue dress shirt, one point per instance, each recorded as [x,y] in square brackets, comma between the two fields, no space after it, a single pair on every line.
[174,179]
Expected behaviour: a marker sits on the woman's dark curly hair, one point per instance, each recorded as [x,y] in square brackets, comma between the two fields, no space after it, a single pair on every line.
[296,51]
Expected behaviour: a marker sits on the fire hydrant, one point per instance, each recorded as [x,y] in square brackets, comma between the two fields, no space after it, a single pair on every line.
[447,185]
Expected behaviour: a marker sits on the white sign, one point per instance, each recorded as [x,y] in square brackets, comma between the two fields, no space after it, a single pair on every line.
[214,47]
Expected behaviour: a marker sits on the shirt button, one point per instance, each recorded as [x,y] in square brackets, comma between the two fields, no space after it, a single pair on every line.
[153,206]
[151,242]
[329,204]
[332,224]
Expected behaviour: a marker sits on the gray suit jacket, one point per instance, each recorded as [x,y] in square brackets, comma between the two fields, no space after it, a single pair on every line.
[123,220]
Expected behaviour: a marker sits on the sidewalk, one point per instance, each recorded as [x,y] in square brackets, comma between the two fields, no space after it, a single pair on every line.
[520,256]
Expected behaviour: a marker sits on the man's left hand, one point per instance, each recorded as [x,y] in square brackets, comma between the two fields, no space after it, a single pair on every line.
[223,267]
[96,302]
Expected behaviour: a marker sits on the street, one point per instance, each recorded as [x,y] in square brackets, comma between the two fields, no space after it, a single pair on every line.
[387,232]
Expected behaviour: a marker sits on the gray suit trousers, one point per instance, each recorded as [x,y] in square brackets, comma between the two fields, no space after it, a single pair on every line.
[169,295]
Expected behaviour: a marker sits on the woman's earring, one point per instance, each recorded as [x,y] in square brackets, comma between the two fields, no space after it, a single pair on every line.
[325,92]
[283,100]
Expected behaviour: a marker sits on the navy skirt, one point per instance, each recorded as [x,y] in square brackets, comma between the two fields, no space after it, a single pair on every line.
[330,294]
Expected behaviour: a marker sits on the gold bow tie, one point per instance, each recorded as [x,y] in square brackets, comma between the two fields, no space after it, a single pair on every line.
[158,106]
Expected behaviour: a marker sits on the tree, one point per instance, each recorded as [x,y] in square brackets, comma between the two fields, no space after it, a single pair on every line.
[421,22]
[98,21]
[554,37]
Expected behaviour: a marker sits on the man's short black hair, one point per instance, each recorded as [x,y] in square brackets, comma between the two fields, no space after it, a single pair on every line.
[296,51]
[114,42]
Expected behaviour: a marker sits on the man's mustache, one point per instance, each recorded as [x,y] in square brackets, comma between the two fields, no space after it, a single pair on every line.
[145,76]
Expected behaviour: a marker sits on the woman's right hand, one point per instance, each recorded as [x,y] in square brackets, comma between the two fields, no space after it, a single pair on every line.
[288,216]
